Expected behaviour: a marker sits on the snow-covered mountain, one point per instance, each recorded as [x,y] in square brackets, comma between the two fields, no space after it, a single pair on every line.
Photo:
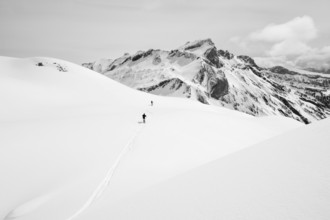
[199,71]
[72,142]
[73,147]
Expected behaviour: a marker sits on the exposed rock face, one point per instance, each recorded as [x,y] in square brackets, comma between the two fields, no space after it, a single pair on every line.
[142,54]
[197,44]
[199,71]
[178,53]
[248,60]
[169,87]
[212,55]
[225,54]
[218,88]
[215,83]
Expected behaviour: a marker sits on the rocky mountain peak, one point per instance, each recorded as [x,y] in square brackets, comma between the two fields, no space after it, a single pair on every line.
[203,48]
[199,71]
[197,44]
[248,60]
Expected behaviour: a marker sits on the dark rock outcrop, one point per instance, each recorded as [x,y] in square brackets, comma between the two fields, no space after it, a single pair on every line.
[248,60]
[196,44]
[225,54]
[218,87]
[212,55]
[178,53]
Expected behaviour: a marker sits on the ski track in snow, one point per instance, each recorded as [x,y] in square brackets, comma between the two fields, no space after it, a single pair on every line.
[106,181]
[97,192]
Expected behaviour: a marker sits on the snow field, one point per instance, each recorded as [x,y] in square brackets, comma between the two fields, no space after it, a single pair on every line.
[73,145]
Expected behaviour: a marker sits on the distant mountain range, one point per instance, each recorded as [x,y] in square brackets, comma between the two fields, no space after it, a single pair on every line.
[200,71]
[325,71]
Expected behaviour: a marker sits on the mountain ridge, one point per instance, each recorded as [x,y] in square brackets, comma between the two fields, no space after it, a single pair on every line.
[199,71]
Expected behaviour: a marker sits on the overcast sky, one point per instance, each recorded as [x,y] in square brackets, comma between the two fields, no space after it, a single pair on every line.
[294,31]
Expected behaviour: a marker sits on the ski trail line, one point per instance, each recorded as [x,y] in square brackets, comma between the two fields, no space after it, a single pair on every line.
[106,181]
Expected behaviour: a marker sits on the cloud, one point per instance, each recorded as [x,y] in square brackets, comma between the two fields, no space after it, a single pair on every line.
[239,41]
[317,59]
[288,39]
[325,50]
[273,61]
[289,48]
[128,5]
[299,29]
[288,44]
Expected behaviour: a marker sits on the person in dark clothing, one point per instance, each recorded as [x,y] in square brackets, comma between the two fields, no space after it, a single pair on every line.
[152,103]
[144,117]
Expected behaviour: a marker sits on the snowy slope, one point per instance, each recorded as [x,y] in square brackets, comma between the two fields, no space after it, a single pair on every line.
[286,177]
[71,139]
[199,71]
[55,130]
